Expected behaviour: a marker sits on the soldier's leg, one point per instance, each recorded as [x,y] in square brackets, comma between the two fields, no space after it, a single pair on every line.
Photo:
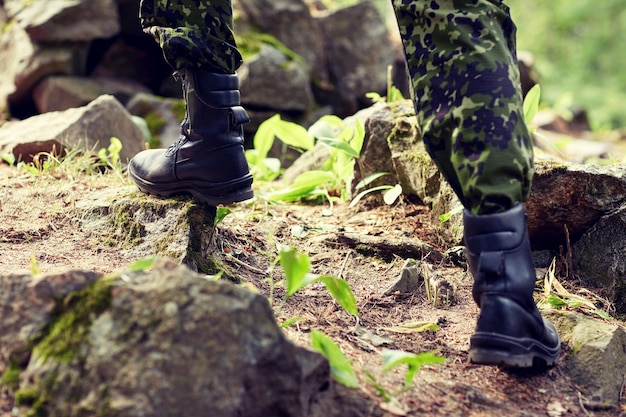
[463,68]
[208,160]
[193,34]
[461,58]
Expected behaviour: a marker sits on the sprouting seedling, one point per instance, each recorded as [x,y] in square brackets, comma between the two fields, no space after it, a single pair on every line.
[296,267]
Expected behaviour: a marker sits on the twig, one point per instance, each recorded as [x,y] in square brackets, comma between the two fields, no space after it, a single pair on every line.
[245,265]
[343,267]
[582,404]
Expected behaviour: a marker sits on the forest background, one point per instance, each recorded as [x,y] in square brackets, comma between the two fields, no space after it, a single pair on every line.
[579,48]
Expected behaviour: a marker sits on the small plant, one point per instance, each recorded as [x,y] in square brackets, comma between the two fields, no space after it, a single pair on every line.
[296,267]
[390,195]
[340,368]
[332,180]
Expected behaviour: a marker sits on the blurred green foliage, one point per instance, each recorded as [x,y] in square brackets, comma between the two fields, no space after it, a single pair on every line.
[580,53]
[579,48]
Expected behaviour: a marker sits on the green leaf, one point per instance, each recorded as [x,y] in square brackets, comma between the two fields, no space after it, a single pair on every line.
[340,367]
[394,358]
[220,214]
[340,145]
[8,157]
[302,186]
[341,292]
[447,216]
[141,264]
[290,322]
[370,179]
[392,195]
[362,194]
[296,267]
[264,137]
[531,103]
[293,134]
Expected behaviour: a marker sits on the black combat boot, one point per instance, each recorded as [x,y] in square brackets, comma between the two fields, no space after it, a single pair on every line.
[208,161]
[510,331]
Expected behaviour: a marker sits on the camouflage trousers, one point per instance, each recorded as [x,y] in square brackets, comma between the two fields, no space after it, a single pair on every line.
[463,67]
[193,33]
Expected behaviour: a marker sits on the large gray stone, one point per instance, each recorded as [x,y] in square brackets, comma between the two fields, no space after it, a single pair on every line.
[67,20]
[290,21]
[58,93]
[358,55]
[271,80]
[168,342]
[571,196]
[598,258]
[597,358]
[87,128]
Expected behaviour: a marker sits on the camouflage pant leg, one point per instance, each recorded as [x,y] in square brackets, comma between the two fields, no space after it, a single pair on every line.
[193,33]
[463,67]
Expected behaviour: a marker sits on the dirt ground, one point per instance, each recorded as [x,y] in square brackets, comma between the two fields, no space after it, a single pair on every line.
[39,229]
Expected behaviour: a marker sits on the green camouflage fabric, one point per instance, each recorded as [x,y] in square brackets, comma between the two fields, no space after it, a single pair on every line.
[463,66]
[193,33]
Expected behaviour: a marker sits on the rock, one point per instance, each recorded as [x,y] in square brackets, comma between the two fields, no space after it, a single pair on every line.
[88,128]
[27,304]
[291,22]
[179,229]
[25,63]
[169,342]
[394,145]
[598,258]
[354,72]
[68,20]
[163,116]
[596,362]
[573,197]
[57,93]
[271,80]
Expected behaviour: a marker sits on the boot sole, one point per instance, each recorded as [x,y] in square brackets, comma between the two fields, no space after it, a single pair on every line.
[505,351]
[213,194]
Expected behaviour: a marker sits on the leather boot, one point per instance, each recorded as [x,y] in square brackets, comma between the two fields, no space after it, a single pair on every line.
[208,160]
[510,330]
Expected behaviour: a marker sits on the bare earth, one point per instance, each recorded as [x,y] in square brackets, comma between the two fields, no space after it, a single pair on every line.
[39,229]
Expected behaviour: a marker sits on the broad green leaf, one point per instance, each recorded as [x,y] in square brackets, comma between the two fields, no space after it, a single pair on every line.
[370,179]
[341,145]
[326,127]
[362,194]
[392,195]
[341,292]
[220,214]
[296,267]
[354,135]
[293,134]
[141,264]
[531,103]
[393,358]
[264,136]
[340,367]
[304,184]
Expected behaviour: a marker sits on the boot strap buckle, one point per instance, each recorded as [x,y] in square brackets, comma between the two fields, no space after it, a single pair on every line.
[238,115]
[491,262]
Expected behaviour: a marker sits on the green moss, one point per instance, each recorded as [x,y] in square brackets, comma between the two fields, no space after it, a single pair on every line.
[126,232]
[71,321]
[155,123]
[249,44]
[11,376]
[27,396]
[179,109]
